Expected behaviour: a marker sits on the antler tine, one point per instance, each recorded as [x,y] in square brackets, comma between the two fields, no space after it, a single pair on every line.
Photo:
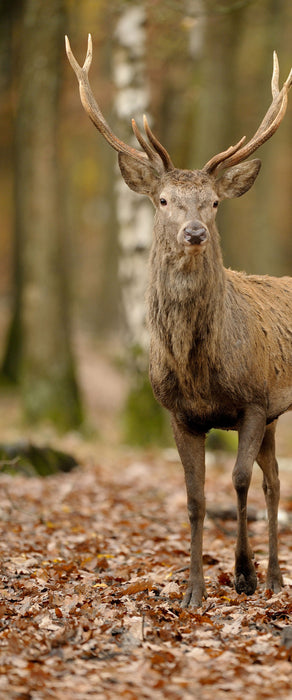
[214,162]
[150,153]
[87,63]
[267,128]
[275,76]
[162,152]
[288,82]
[91,107]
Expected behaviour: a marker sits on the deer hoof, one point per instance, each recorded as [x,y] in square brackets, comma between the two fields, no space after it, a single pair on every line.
[246,583]
[274,582]
[193,597]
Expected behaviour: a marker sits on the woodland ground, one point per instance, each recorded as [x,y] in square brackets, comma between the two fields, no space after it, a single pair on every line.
[94,564]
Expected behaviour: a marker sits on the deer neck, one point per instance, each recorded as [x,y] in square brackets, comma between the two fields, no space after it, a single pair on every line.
[185,298]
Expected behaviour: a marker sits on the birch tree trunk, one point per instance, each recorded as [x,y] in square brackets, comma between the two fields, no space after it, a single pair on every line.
[134,213]
[40,341]
[144,420]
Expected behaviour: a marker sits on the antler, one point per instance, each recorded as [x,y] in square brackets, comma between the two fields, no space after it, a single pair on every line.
[162,152]
[236,154]
[155,153]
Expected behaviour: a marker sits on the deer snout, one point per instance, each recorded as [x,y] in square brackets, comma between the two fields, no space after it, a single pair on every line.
[193,233]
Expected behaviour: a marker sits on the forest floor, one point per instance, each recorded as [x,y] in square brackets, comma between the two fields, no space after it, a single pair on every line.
[94,564]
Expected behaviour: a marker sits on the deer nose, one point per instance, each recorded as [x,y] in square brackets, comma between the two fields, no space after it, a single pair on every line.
[195,233]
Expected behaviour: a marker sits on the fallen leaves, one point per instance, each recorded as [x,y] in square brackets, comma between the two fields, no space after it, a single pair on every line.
[93,568]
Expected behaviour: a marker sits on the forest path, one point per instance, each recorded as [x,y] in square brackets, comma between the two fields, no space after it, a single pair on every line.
[93,567]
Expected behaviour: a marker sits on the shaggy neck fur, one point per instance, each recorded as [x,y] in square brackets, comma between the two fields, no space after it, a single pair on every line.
[186,298]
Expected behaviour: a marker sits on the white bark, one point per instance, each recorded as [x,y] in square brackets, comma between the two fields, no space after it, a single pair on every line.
[134,213]
[195,21]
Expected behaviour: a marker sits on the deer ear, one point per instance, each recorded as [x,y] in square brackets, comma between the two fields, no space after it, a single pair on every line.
[140,177]
[238,180]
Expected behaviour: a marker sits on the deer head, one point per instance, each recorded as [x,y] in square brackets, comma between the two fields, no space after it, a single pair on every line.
[186,201]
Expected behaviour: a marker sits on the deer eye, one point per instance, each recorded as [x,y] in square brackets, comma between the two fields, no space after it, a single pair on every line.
[215,204]
[163,201]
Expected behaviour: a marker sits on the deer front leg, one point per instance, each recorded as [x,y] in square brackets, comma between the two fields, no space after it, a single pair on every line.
[250,438]
[191,449]
[271,485]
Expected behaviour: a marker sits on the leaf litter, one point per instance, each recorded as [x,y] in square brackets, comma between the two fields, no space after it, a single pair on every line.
[94,564]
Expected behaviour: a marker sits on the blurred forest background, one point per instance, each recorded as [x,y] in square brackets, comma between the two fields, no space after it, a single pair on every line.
[74,241]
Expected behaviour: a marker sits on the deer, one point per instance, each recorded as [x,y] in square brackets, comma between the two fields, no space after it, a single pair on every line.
[220,351]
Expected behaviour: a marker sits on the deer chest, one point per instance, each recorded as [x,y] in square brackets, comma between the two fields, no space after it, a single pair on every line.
[193,395]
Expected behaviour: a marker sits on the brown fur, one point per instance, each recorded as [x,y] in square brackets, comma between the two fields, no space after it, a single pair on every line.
[220,356]
[220,341]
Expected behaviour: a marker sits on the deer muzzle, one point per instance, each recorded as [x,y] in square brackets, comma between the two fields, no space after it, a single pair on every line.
[193,234]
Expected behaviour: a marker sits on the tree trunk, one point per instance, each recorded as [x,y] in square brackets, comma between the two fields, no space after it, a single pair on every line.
[134,213]
[144,422]
[40,335]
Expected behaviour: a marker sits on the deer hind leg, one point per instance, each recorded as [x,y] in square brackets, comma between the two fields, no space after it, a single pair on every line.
[250,439]
[271,485]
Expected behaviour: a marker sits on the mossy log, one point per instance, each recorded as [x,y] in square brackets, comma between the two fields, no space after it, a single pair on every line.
[32,460]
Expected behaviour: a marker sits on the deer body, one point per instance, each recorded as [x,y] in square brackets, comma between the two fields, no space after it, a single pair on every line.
[213,345]
[220,341]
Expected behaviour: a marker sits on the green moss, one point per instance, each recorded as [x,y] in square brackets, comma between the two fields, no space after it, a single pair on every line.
[225,440]
[144,421]
[49,394]
[31,460]
[10,369]
[52,398]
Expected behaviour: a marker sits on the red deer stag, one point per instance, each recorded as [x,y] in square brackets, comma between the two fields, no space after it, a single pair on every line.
[220,341]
